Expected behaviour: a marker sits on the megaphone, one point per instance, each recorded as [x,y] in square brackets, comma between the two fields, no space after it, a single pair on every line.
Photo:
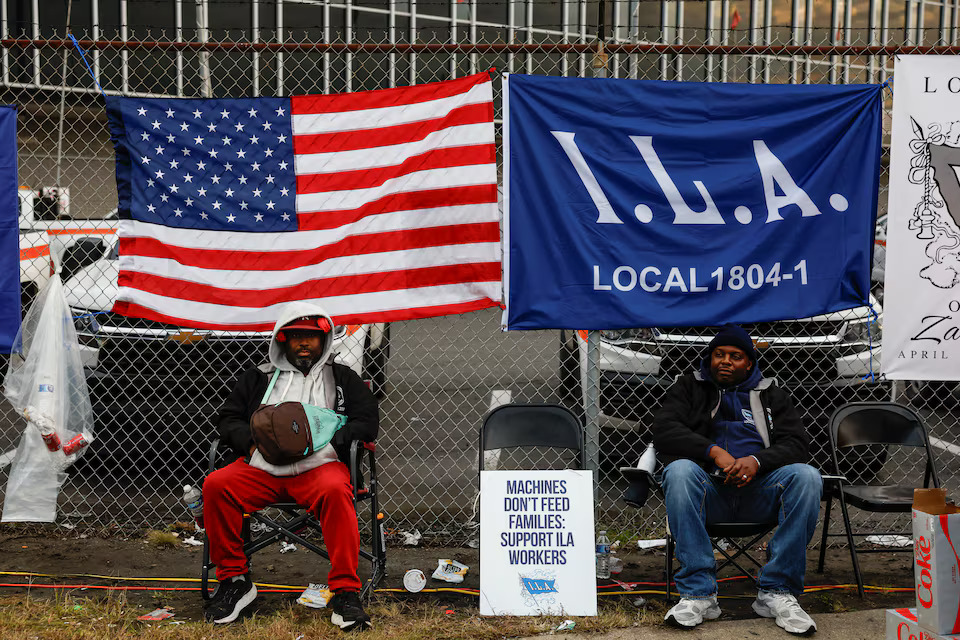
[640,478]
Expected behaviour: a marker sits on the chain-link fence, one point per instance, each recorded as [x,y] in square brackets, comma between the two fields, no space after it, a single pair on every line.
[155,388]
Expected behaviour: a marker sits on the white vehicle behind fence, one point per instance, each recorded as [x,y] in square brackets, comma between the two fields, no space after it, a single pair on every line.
[36,266]
[72,242]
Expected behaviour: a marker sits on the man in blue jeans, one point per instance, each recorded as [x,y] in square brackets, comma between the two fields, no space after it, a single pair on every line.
[734,448]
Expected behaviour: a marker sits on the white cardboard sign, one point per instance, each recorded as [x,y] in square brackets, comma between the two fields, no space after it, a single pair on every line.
[537,545]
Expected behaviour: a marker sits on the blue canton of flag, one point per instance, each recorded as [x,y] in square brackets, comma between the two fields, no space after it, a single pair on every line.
[207,164]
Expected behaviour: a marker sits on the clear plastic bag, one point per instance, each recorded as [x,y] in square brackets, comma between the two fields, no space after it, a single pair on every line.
[46,385]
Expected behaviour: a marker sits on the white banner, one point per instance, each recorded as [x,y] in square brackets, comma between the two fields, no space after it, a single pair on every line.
[537,553]
[921,326]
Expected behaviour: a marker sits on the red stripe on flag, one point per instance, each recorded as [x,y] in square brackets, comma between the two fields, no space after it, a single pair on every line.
[397,134]
[366,178]
[319,288]
[385,97]
[285,260]
[139,311]
[406,201]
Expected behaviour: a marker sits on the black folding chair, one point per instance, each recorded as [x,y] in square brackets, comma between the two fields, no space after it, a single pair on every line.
[532,425]
[864,424]
[722,535]
[294,521]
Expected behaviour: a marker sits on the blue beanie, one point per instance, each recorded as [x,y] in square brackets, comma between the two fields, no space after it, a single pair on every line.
[733,336]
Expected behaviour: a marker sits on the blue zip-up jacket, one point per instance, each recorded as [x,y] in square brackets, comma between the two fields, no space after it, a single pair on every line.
[733,428]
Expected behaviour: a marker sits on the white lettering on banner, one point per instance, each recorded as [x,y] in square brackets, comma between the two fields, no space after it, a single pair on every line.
[772,170]
[624,278]
[655,271]
[596,280]
[675,280]
[773,175]
[682,213]
[605,213]
[631,283]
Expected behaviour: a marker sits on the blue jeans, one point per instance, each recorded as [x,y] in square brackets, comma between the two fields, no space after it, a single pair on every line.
[790,494]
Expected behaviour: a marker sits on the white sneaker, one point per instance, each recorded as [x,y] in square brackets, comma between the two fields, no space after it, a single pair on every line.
[690,612]
[785,608]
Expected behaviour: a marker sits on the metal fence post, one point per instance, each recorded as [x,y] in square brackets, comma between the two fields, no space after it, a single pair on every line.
[591,407]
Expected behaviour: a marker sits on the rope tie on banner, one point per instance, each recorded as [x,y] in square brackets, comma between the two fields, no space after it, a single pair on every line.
[83,56]
[886,85]
[871,376]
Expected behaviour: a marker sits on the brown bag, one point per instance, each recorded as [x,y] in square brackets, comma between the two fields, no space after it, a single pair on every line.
[282,432]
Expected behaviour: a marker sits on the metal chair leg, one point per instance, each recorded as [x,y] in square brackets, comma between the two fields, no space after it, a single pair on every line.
[823,538]
[853,546]
[669,576]
[205,592]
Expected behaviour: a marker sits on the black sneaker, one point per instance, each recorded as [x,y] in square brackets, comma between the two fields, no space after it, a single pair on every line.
[232,597]
[348,613]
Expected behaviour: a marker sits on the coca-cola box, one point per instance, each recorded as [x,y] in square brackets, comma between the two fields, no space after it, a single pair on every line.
[936,564]
[902,624]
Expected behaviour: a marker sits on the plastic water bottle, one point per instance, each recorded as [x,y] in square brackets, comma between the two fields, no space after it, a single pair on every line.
[193,498]
[603,555]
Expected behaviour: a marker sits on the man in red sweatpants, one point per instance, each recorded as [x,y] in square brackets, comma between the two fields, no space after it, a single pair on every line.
[300,369]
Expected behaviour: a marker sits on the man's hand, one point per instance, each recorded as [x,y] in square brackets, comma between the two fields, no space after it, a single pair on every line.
[742,471]
[721,458]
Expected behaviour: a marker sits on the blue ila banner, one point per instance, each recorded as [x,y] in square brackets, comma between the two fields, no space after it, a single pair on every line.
[9,231]
[642,203]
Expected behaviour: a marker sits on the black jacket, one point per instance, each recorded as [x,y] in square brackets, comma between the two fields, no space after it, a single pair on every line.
[354,400]
[682,425]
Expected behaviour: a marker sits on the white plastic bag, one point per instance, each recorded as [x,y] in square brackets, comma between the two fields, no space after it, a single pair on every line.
[45,384]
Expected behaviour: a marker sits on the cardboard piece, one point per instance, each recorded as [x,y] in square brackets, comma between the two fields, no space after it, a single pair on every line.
[537,544]
[936,566]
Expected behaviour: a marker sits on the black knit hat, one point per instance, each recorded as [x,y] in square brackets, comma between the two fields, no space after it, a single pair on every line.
[733,336]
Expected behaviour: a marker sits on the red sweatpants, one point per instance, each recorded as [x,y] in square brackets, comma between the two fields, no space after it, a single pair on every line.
[325,491]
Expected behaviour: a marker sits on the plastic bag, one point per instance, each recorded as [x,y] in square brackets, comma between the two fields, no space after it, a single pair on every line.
[45,383]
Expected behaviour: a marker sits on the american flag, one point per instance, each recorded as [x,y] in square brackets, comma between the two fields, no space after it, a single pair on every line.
[379,205]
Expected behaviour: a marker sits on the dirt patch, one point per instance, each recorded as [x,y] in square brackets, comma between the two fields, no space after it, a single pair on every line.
[75,560]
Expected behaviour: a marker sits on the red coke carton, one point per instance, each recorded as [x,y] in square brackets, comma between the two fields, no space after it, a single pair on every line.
[936,563]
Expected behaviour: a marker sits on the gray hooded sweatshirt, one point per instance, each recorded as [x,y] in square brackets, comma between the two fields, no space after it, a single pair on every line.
[315,388]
